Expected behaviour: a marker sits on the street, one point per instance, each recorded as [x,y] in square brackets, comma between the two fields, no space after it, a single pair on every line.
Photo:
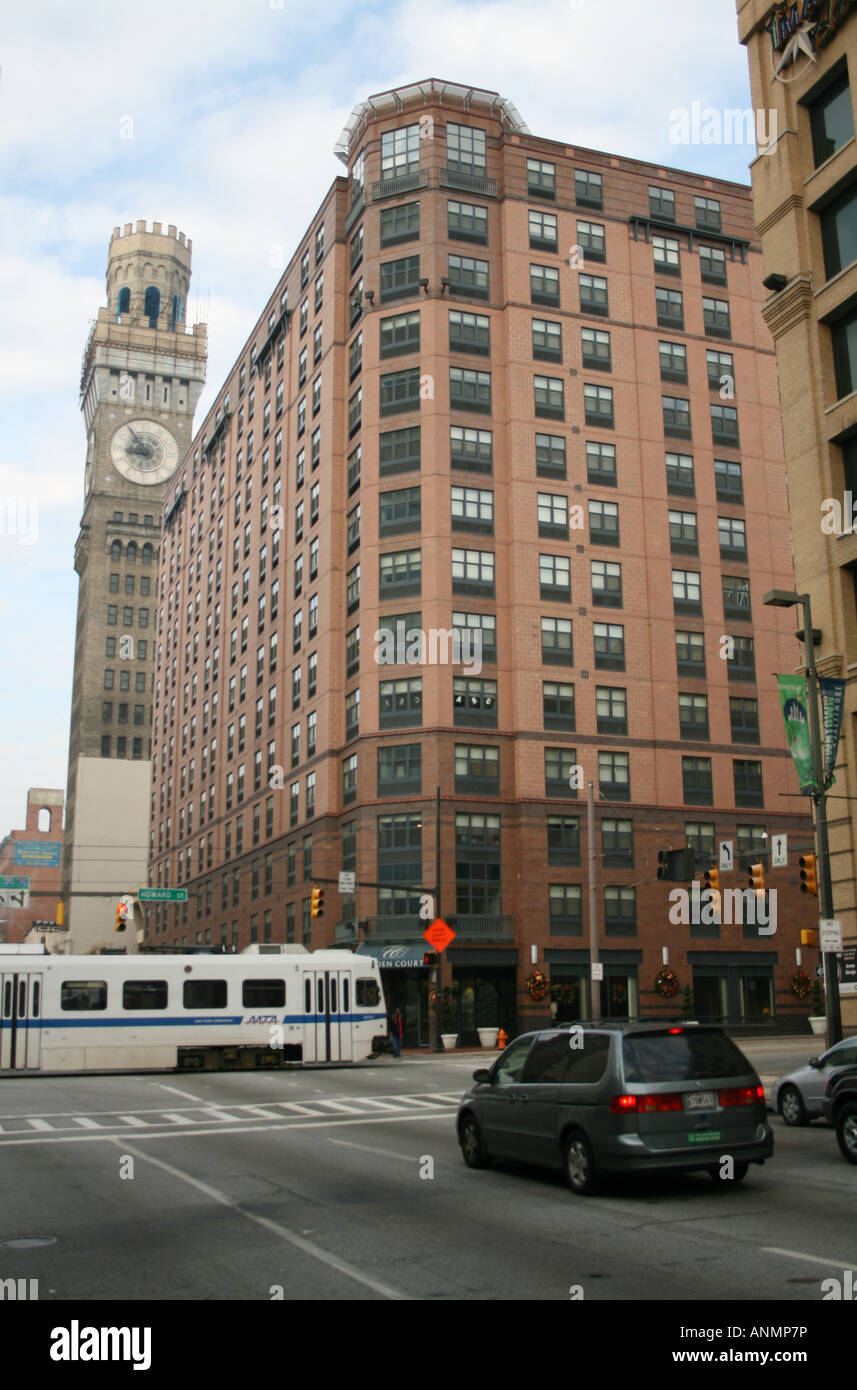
[349,1184]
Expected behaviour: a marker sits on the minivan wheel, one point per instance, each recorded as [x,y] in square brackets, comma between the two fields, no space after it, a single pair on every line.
[846,1132]
[792,1107]
[740,1172]
[472,1148]
[579,1165]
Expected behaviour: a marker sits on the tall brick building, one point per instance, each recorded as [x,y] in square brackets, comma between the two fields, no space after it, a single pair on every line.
[511,388]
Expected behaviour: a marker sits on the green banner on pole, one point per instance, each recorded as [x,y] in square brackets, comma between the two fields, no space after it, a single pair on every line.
[832,705]
[796,720]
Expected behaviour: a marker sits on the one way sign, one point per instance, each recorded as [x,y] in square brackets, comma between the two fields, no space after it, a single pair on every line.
[779,852]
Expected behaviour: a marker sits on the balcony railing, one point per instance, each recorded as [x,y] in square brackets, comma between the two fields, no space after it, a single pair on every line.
[484,927]
[403,183]
[471,183]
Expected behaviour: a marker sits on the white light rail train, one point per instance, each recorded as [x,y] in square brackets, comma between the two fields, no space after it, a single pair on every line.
[262,1008]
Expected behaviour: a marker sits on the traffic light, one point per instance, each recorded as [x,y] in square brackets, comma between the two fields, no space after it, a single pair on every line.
[663,863]
[123,908]
[430,958]
[317,907]
[808,877]
[757,878]
[809,937]
[712,878]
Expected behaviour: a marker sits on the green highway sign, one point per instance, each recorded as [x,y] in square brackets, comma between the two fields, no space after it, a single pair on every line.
[162,895]
[14,883]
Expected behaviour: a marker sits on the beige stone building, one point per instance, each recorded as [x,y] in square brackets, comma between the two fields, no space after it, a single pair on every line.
[803,67]
[143,371]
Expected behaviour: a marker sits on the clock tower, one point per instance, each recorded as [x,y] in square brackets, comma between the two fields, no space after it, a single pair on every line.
[143,372]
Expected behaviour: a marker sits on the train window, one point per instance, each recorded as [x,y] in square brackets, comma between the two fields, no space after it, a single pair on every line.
[144,994]
[36,998]
[22,999]
[7,1000]
[368,992]
[83,996]
[332,1001]
[263,994]
[320,995]
[345,991]
[308,995]
[205,994]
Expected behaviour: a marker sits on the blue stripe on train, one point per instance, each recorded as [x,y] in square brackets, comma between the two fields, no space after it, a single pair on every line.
[203,1020]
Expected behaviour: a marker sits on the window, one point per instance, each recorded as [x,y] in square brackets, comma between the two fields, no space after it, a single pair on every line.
[614,779]
[839,232]
[468,277]
[843,335]
[603,523]
[549,397]
[352,589]
[736,597]
[727,481]
[399,511]
[83,996]
[469,390]
[477,769]
[620,913]
[400,334]
[400,703]
[707,212]
[588,189]
[595,349]
[673,360]
[831,119]
[690,653]
[552,511]
[550,456]
[593,294]
[601,463]
[724,425]
[355,357]
[557,647]
[543,231]
[544,284]
[474,702]
[400,224]
[472,509]
[352,651]
[400,770]
[744,719]
[683,533]
[471,450]
[400,279]
[669,308]
[555,577]
[465,148]
[680,478]
[712,265]
[742,663]
[355,411]
[469,333]
[400,450]
[687,592]
[696,781]
[747,777]
[547,340]
[560,763]
[591,240]
[400,391]
[467,222]
[541,179]
[355,250]
[563,839]
[598,406]
[721,370]
[611,709]
[733,538]
[617,843]
[400,572]
[665,252]
[715,317]
[662,203]
[476,632]
[676,417]
[558,705]
[693,716]
[400,151]
[565,910]
[472,572]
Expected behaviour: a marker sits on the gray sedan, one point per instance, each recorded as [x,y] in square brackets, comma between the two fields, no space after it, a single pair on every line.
[798,1095]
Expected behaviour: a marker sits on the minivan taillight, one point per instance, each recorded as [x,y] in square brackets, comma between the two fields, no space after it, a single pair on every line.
[741,1095]
[645,1105]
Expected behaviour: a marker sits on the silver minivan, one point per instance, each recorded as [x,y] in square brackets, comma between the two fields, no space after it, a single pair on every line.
[594,1099]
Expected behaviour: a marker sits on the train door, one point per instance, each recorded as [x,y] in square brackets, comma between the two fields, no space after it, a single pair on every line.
[20,1021]
[327,1006]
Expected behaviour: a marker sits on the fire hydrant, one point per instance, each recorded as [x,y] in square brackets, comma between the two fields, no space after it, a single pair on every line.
[502,1039]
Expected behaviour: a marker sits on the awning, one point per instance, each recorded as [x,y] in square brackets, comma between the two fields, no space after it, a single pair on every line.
[408,957]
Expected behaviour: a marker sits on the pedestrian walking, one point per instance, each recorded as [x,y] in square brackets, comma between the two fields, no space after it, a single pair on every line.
[397,1032]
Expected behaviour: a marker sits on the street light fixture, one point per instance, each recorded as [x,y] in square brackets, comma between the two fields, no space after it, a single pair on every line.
[785,598]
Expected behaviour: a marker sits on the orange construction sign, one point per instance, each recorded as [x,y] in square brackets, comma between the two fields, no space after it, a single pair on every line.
[439,934]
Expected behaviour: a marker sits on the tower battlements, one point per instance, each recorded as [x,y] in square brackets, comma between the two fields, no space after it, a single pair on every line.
[142,228]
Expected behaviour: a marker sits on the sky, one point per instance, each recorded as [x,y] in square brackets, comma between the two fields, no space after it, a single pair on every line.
[220,116]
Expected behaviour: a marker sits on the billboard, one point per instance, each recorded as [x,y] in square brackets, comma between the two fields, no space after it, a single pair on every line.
[38,854]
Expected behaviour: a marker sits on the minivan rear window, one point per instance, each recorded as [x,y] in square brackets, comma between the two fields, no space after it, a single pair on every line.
[694,1054]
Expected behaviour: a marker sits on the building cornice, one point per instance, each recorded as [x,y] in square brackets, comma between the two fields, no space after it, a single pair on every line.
[793,203]
[790,306]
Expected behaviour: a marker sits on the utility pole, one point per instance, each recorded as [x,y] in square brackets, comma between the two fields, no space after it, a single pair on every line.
[435,1043]
[593,899]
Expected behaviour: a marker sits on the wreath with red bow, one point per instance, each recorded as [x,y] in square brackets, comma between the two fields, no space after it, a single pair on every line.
[666,983]
[801,984]
[537,985]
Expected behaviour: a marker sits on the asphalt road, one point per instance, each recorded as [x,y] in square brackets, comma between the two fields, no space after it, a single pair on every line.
[349,1184]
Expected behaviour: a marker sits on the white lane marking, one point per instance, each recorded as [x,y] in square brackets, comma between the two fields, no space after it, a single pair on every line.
[39,1124]
[379,1104]
[365,1148]
[449,1100]
[415,1100]
[811,1259]
[263,1114]
[314,1251]
[176,1092]
[86,1123]
[342,1105]
[133,1120]
[320,1123]
[297,1107]
[213,1114]
[179,1119]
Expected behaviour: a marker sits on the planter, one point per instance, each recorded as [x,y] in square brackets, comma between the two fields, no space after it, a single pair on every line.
[818,1024]
[488,1036]
[449,1040]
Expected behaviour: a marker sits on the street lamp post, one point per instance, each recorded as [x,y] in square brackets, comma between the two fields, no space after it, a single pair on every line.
[784,598]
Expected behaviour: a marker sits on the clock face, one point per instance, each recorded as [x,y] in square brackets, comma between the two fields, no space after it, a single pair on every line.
[144,452]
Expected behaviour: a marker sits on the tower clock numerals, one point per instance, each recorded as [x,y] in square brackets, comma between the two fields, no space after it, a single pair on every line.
[144,452]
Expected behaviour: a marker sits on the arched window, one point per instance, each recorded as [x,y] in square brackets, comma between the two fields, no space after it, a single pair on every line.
[116,550]
[152,305]
[123,303]
[146,554]
[44,818]
[131,552]
[178,310]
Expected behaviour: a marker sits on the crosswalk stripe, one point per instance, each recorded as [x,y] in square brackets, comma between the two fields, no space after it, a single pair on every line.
[218,1115]
[342,1105]
[263,1114]
[447,1100]
[296,1106]
[377,1104]
[132,1120]
[415,1100]
[178,1119]
[39,1124]
[85,1122]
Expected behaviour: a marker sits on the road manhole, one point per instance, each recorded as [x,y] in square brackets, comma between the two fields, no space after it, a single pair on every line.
[27,1242]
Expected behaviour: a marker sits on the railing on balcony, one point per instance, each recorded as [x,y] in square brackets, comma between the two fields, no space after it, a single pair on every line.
[484,927]
[355,212]
[471,183]
[403,183]
[393,928]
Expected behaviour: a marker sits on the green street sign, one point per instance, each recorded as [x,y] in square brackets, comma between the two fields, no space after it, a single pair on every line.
[162,895]
[14,883]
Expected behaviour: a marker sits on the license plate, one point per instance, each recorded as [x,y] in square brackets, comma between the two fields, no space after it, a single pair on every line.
[699,1100]
[705,1136]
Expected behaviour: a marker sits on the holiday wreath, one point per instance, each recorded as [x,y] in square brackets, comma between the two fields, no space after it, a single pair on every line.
[666,983]
[536,985]
[801,984]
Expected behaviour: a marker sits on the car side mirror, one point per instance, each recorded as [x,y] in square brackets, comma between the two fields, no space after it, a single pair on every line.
[816,1062]
[482,1075]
